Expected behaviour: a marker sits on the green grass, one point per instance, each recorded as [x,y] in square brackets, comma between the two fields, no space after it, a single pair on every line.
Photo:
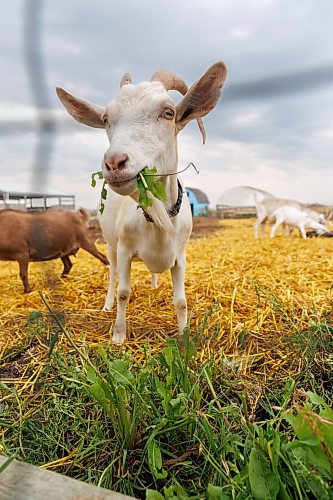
[175,428]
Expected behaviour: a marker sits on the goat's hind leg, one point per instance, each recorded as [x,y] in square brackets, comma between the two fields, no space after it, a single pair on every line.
[67,265]
[179,298]
[275,226]
[90,247]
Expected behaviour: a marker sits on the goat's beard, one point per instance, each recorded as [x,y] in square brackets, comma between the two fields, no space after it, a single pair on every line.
[160,215]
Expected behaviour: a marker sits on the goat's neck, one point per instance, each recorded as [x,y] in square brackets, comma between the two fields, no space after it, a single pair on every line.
[170,181]
[171,188]
[159,210]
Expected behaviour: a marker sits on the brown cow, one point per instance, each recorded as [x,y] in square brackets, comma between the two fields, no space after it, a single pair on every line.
[53,234]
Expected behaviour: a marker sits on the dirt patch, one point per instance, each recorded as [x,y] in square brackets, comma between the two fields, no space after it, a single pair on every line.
[205,225]
[201,227]
[20,361]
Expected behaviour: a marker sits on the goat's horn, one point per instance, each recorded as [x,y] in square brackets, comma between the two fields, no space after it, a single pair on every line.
[126,79]
[171,81]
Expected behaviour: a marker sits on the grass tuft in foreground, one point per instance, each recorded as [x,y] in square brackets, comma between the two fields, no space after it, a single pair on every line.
[174,427]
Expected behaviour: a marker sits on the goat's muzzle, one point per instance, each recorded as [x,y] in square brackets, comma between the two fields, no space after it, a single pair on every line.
[115,162]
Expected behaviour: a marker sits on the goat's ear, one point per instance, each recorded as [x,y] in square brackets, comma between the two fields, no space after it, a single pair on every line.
[202,97]
[82,111]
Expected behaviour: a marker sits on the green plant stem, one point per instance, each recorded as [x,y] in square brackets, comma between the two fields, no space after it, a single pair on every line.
[143,180]
[210,385]
[67,335]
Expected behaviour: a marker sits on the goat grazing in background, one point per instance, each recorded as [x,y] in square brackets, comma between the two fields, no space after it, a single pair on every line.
[54,234]
[267,206]
[296,218]
[142,124]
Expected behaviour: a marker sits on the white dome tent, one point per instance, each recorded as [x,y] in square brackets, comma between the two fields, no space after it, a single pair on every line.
[240,201]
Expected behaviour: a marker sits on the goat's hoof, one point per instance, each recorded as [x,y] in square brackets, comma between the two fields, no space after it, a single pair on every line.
[107,308]
[118,338]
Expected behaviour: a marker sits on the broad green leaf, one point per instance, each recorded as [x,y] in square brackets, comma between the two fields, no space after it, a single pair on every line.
[155,460]
[300,423]
[154,455]
[180,492]
[97,392]
[147,181]
[216,493]
[118,369]
[325,411]
[104,193]
[144,200]
[168,491]
[315,435]
[264,483]
[120,372]
[153,495]
[91,374]
[176,402]
[98,174]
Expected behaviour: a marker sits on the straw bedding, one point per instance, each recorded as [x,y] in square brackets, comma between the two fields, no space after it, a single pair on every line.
[245,296]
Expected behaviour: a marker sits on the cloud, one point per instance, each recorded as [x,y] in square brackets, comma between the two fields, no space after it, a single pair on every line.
[273,126]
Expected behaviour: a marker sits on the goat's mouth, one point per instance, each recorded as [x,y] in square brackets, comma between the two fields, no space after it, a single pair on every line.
[120,182]
[123,186]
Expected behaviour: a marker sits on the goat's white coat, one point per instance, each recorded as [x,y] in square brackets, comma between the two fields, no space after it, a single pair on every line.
[267,206]
[295,218]
[141,135]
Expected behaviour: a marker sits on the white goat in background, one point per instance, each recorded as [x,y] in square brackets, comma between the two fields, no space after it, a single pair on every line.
[296,218]
[142,124]
[267,206]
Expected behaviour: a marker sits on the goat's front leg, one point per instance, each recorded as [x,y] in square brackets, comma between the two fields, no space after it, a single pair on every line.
[302,231]
[154,282]
[179,299]
[112,279]
[259,223]
[23,263]
[124,259]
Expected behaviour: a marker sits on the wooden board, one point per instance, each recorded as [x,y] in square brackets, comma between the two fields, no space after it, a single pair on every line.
[20,481]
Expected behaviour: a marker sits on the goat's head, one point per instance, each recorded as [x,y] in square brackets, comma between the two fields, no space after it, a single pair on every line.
[142,123]
[316,216]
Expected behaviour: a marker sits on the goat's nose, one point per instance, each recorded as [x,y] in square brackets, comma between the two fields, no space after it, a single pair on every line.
[115,162]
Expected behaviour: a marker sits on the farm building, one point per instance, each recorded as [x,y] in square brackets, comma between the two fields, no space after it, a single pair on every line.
[20,199]
[239,202]
[198,200]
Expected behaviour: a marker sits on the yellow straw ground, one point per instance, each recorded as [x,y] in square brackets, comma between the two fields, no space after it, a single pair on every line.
[247,296]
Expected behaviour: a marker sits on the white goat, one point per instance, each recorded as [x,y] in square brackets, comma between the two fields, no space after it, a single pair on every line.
[296,218]
[267,206]
[142,124]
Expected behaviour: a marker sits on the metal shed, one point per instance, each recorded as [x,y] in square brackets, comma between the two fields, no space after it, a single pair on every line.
[240,202]
[20,199]
[198,200]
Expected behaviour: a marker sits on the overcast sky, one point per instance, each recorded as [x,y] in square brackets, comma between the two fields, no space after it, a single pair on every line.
[272,129]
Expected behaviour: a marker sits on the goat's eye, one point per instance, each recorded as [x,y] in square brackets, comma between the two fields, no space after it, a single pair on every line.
[105,121]
[168,113]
